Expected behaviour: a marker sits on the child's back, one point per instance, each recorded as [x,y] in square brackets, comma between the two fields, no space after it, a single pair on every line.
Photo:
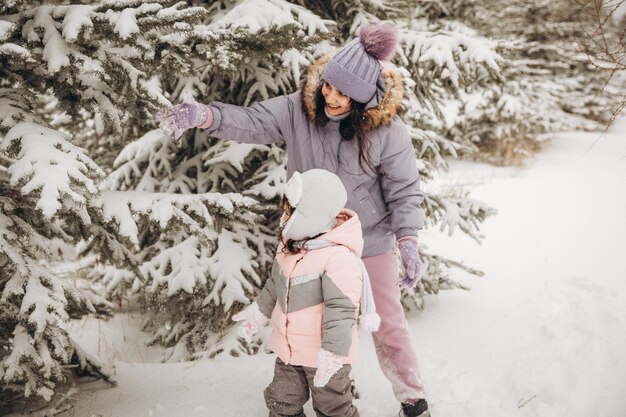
[313,298]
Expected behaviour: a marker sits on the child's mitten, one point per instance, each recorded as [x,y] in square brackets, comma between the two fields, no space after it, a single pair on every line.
[183,116]
[252,319]
[410,261]
[328,363]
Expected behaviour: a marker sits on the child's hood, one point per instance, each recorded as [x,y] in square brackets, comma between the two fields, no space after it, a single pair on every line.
[318,196]
[347,232]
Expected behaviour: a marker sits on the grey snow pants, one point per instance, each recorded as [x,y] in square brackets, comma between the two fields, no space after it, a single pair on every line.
[292,385]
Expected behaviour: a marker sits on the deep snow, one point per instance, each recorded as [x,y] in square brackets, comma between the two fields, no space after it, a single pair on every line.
[543,333]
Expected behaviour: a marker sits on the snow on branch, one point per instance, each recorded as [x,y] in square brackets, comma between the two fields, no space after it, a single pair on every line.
[14,51]
[257,15]
[23,362]
[193,211]
[40,302]
[240,52]
[180,267]
[231,153]
[15,104]
[452,213]
[19,242]
[146,159]
[269,179]
[6,28]
[124,4]
[432,149]
[47,164]
[294,60]
[449,55]
[76,19]
[232,265]
[8,237]
[100,52]
[56,51]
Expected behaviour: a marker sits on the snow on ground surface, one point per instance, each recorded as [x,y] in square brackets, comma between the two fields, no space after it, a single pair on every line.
[543,333]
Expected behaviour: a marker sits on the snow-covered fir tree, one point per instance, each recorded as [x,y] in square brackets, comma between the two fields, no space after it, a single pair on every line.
[69,74]
[548,82]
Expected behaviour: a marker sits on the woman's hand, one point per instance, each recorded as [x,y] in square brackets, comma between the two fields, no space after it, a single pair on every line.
[252,319]
[187,115]
[328,363]
[410,261]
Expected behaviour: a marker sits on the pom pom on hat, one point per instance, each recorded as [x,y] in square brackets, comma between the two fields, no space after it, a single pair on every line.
[355,68]
[379,40]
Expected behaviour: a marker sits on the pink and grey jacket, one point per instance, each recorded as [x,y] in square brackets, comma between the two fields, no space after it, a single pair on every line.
[313,297]
[387,201]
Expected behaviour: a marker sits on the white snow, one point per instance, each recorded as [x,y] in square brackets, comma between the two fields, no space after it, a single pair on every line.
[185,267]
[56,51]
[261,14]
[230,283]
[5,29]
[124,21]
[48,162]
[455,52]
[76,18]
[14,50]
[232,153]
[543,333]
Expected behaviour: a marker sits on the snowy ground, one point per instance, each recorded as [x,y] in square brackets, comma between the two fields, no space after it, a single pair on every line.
[543,333]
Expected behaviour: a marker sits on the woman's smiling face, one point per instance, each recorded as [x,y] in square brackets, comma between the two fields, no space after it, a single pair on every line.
[336,102]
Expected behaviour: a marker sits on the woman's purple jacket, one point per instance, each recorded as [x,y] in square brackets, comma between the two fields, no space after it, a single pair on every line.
[388,201]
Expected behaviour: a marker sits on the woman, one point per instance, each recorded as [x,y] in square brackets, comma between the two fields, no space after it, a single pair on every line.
[345,120]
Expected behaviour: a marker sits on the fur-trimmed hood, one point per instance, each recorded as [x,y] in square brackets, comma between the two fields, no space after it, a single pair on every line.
[389,106]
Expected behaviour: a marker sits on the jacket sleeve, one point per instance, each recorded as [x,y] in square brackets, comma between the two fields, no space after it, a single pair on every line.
[265,122]
[272,290]
[341,292]
[400,181]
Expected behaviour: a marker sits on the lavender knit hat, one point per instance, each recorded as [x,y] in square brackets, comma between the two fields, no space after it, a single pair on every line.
[355,68]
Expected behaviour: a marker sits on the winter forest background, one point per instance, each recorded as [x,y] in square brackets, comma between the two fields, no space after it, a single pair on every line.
[102,213]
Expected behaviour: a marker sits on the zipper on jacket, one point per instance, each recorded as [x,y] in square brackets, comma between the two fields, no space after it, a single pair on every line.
[287,307]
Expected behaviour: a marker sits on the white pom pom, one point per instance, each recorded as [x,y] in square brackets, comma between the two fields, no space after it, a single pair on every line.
[370,322]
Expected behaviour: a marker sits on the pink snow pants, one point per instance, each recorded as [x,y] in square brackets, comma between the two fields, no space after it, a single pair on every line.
[393,340]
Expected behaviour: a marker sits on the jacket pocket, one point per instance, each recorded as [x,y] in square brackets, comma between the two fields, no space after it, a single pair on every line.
[364,205]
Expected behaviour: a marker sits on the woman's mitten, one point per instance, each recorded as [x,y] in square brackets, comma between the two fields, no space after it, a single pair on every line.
[183,116]
[410,261]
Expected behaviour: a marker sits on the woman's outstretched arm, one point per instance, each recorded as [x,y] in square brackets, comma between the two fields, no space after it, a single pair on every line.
[265,122]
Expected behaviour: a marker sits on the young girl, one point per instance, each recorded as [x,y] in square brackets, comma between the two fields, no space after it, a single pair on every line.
[312,299]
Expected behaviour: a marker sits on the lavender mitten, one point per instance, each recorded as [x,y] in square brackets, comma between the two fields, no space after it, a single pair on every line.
[410,261]
[187,115]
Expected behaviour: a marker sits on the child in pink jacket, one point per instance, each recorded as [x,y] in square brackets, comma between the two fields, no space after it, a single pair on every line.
[317,286]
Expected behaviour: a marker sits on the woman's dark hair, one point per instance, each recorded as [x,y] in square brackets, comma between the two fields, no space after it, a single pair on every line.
[349,128]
